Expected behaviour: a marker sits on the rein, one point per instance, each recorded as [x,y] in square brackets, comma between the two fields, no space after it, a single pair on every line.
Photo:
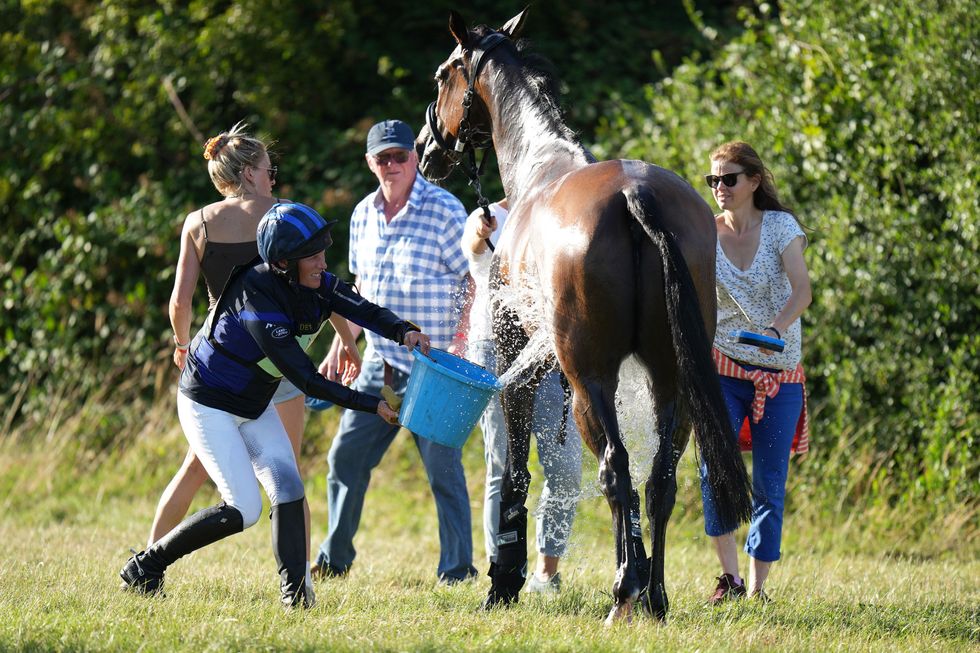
[468,139]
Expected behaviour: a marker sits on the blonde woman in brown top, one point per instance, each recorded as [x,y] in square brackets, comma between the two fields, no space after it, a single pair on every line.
[214,240]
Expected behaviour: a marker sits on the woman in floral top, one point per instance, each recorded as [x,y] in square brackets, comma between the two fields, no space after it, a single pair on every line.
[763,286]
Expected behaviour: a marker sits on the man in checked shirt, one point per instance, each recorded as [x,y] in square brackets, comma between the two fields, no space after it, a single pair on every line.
[405,252]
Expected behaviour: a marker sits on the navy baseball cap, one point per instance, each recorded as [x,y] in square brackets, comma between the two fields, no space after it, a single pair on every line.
[388,134]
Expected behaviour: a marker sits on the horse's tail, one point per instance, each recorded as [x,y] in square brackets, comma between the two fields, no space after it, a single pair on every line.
[698,379]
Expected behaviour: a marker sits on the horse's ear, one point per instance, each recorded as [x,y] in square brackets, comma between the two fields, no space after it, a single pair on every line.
[515,24]
[458,27]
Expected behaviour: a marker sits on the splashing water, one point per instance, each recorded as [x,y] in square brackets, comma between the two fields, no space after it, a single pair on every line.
[536,354]
[634,410]
[532,306]
[634,403]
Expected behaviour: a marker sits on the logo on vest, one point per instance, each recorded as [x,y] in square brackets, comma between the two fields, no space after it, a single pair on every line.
[280,332]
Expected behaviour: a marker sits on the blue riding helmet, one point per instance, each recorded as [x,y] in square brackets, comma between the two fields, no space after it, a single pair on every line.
[290,231]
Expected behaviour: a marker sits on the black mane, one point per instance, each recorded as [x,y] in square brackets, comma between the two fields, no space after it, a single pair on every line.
[541,76]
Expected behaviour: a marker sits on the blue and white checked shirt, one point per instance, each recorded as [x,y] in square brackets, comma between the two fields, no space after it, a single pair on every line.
[413,266]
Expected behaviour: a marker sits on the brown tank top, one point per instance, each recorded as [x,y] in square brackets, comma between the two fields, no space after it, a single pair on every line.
[219,259]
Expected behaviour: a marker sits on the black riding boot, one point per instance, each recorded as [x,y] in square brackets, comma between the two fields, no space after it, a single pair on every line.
[289,545]
[144,571]
[508,573]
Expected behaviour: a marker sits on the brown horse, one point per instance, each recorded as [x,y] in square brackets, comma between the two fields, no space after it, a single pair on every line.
[624,255]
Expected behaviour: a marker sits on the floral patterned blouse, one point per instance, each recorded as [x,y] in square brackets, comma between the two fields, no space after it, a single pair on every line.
[750,299]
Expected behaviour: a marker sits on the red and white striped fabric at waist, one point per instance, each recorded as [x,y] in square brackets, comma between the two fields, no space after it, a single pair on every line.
[766,385]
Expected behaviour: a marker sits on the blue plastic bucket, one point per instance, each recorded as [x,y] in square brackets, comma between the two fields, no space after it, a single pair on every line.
[445,397]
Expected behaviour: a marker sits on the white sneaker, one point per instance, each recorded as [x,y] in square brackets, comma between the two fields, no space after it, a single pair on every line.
[537,586]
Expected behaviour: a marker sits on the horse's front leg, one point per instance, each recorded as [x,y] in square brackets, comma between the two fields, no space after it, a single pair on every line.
[509,571]
[661,493]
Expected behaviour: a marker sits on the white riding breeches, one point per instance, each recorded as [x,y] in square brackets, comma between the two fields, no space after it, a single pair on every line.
[235,451]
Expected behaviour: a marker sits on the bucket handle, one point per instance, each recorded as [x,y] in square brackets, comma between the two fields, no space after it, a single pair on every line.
[482,367]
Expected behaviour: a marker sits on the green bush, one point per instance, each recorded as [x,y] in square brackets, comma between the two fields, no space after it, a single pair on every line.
[100,168]
[866,113]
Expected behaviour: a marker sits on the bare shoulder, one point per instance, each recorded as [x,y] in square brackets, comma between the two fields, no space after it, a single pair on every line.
[720,225]
[194,222]
[233,220]
[192,233]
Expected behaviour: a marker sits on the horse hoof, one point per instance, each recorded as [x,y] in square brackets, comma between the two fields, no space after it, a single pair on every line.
[620,613]
[497,599]
[658,612]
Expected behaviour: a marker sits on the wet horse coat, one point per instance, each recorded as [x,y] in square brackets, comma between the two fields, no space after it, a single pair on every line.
[623,253]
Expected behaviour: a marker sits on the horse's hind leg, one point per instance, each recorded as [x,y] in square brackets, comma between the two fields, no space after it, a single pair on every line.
[673,431]
[672,426]
[595,412]
[509,571]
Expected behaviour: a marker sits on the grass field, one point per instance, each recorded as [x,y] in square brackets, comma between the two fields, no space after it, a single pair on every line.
[68,521]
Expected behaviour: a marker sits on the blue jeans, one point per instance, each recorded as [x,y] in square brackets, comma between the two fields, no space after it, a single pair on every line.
[562,463]
[771,441]
[361,441]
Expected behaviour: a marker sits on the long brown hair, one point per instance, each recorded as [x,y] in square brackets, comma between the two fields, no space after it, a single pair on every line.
[765,197]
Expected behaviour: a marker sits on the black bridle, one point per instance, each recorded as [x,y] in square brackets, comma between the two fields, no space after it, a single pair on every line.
[468,138]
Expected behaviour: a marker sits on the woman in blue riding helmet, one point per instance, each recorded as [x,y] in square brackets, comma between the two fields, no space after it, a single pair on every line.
[267,315]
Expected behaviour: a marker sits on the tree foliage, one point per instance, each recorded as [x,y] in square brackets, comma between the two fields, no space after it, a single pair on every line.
[867,115]
[100,166]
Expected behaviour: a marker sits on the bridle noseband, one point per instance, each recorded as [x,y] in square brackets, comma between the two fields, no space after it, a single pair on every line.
[466,135]
[468,139]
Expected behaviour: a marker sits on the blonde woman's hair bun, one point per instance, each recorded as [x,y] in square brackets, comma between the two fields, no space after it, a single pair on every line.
[213,147]
[228,154]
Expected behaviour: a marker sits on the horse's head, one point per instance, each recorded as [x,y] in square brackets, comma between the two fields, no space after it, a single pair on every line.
[460,118]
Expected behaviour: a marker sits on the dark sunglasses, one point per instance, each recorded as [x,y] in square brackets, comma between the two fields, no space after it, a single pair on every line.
[729,180]
[271,171]
[399,156]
